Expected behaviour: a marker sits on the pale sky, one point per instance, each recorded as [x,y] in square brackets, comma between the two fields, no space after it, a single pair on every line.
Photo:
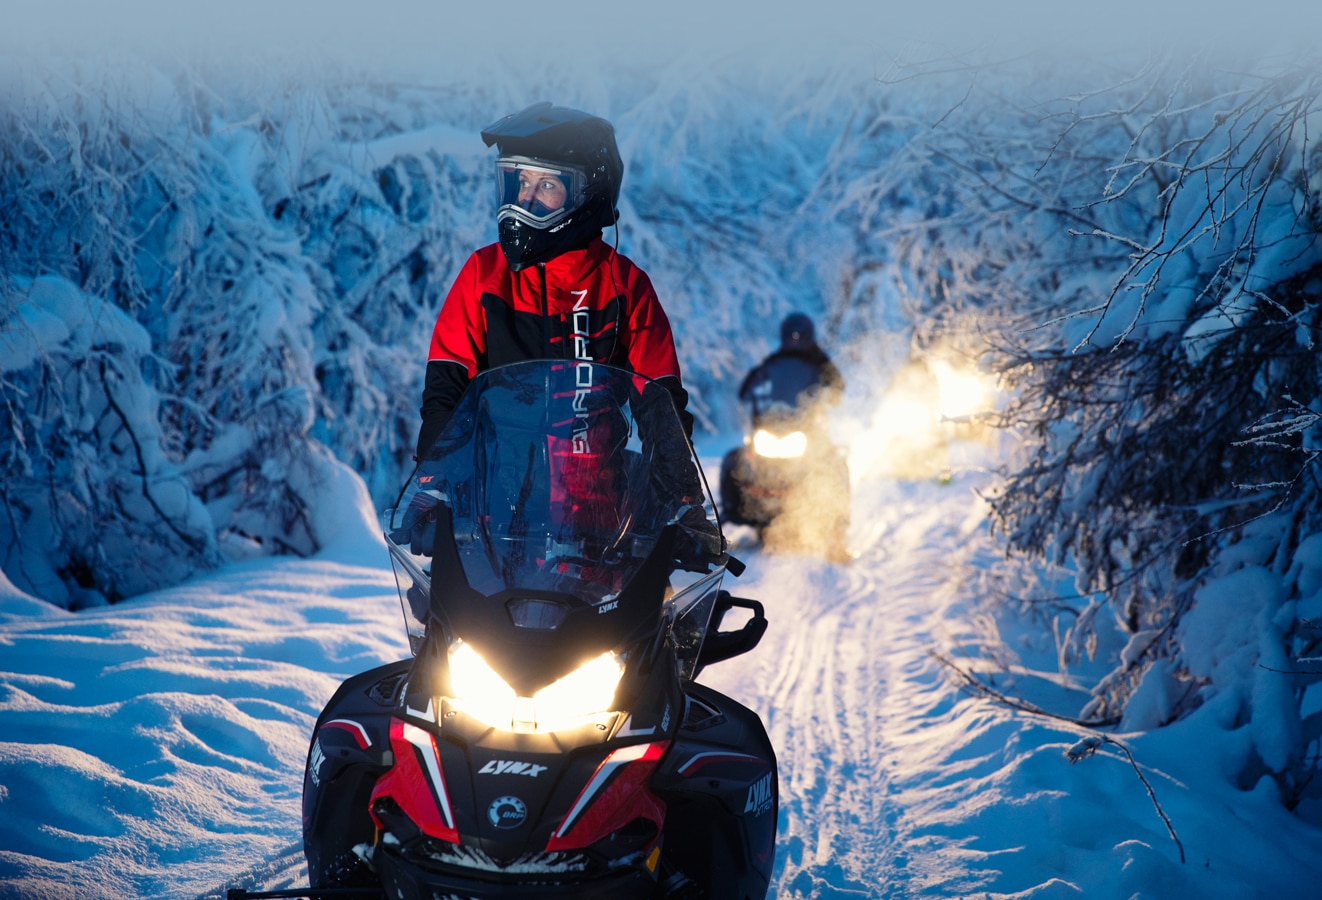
[417,35]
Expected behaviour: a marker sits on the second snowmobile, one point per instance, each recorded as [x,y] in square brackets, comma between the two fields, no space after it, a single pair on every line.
[787,480]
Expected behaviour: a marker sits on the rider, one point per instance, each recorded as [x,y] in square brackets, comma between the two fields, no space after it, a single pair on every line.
[787,392]
[800,366]
[551,287]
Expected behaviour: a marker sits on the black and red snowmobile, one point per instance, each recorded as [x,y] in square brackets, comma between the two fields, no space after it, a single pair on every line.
[787,480]
[559,564]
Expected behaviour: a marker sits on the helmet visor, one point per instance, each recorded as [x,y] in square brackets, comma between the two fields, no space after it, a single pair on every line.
[537,192]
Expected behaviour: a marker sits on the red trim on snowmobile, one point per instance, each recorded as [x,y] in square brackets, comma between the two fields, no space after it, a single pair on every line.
[416,782]
[358,731]
[704,759]
[617,794]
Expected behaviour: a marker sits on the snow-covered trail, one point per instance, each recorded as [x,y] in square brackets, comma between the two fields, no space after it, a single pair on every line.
[155,748]
[844,673]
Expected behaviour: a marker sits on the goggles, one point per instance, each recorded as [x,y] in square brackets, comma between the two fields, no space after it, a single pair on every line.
[536,192]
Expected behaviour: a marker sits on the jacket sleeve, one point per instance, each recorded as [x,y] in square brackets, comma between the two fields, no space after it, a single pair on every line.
[652,344]
[747,384]
[445,383]
[458,348]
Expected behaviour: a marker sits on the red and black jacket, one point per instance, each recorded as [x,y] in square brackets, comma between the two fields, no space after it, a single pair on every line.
[588,303]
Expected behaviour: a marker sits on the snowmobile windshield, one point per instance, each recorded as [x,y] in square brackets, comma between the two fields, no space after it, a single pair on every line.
[536,192]
[549,512]
[549,481]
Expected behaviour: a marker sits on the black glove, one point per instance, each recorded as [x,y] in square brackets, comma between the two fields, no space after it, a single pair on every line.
[418,526]
[699,540]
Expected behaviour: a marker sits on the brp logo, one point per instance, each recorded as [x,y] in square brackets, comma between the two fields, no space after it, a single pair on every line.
[507,812]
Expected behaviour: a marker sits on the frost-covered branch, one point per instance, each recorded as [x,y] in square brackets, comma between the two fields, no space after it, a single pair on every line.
[974,685]
[1089,745]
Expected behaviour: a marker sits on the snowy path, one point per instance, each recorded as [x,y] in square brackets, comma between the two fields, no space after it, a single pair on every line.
[843,675]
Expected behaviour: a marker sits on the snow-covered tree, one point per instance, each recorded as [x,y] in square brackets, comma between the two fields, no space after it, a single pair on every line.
[1143,259]
[274,258]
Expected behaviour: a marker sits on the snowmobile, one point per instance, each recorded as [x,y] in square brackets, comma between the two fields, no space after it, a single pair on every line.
[787,480]
[559,565]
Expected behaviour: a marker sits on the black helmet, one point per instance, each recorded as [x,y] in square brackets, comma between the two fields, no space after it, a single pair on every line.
[558,177]
[796,332]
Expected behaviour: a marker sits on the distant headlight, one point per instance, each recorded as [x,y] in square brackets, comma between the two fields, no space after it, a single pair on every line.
[582,694]
[964,392]
[790,446]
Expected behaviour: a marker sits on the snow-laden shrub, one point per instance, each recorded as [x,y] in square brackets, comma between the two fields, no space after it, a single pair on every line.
[1144,259]
[93,508]
[275,264]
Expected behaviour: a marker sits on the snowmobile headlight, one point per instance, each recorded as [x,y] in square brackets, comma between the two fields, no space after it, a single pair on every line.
[587,690]
[582,694]
[791,446]
[479,691]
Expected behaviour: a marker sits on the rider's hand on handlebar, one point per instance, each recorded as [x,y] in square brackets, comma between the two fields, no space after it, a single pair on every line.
[699,541]
[418,527]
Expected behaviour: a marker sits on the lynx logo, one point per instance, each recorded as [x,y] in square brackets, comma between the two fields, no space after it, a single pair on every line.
[759,796]
[315,761]
[507,812]
[579,328]
[607,607]
[511,767]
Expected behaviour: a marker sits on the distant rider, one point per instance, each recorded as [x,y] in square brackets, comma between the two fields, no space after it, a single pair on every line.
[796,372]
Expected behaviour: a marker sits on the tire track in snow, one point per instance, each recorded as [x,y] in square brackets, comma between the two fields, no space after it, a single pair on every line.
[844,663]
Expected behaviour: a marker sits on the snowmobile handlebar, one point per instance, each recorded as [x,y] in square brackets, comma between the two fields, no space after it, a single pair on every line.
[719,646]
